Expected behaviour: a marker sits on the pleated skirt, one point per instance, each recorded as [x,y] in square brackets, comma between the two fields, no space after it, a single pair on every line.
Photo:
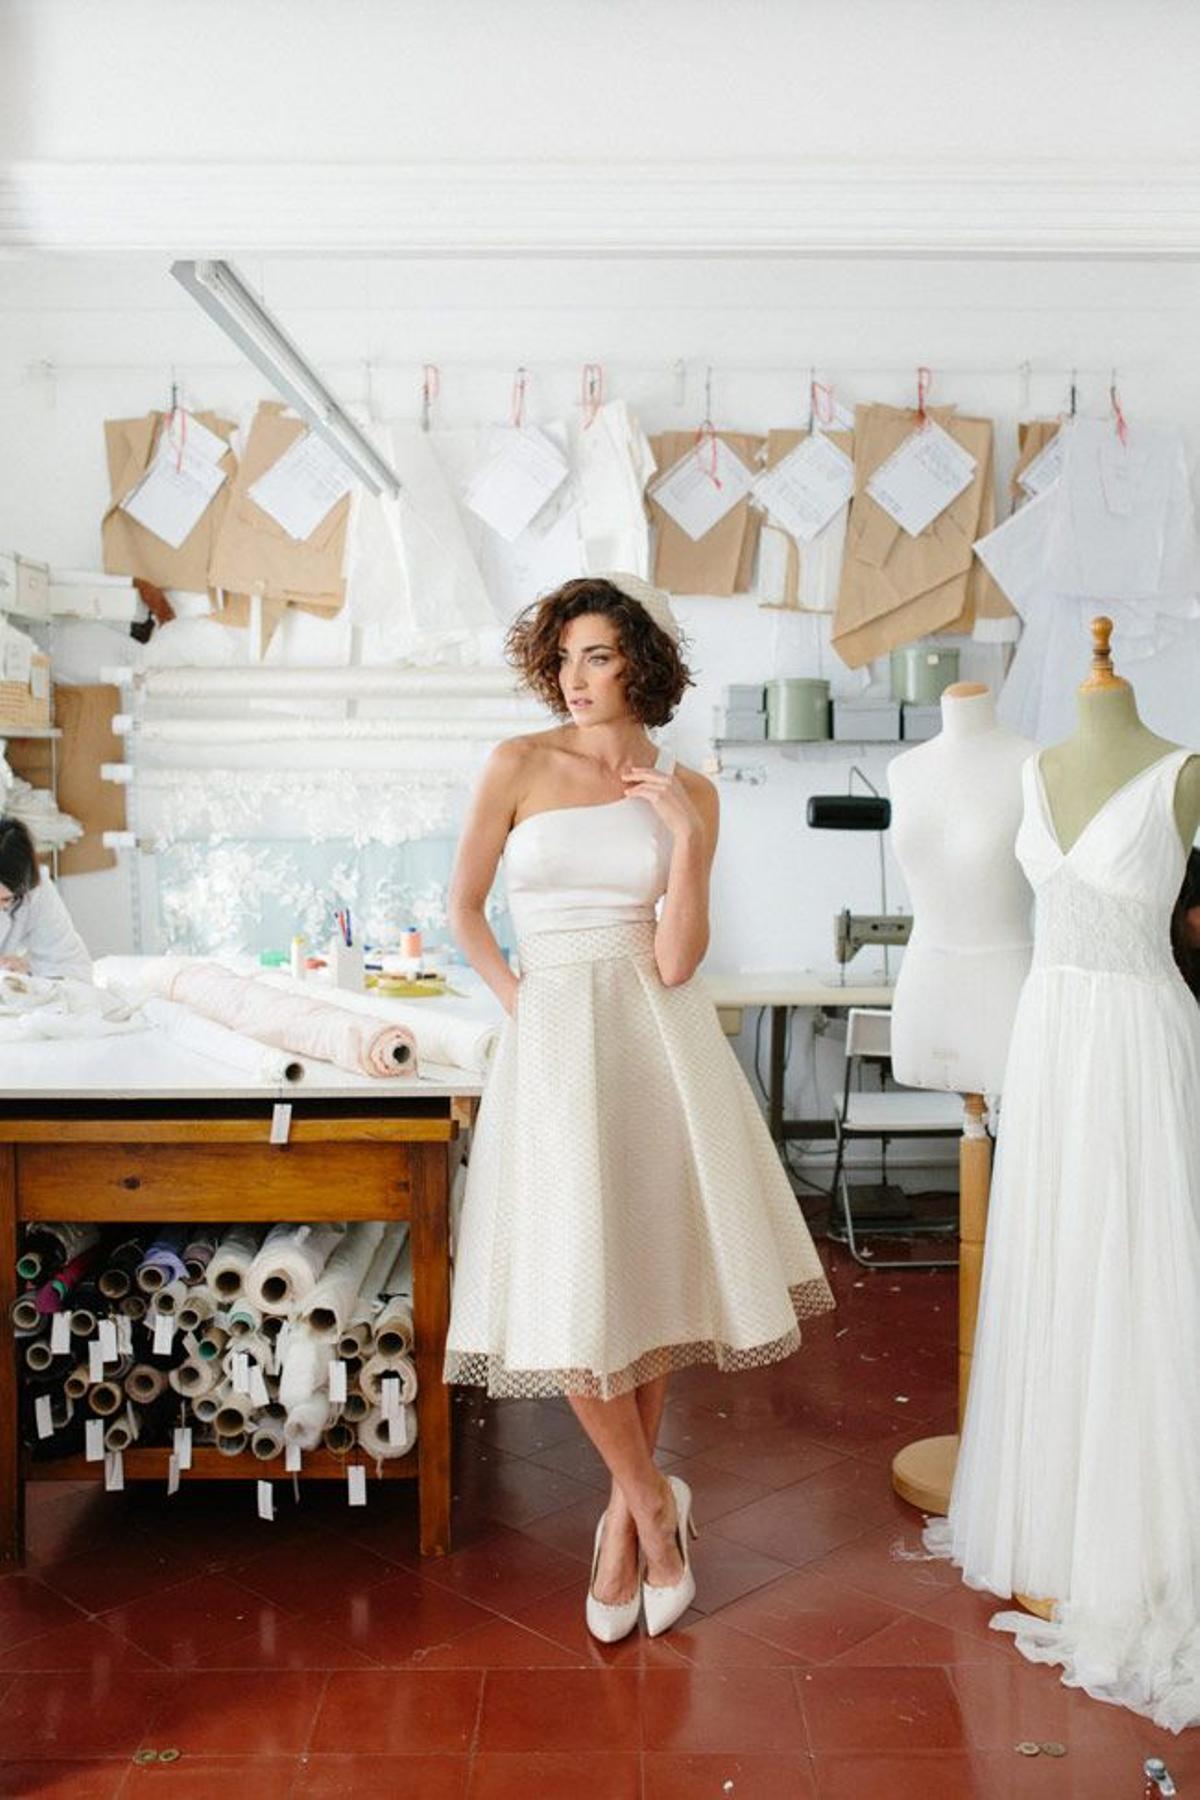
[626,1213]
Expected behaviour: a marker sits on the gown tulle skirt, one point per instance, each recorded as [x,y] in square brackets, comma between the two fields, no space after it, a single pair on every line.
[625,1211]
[1079,1471]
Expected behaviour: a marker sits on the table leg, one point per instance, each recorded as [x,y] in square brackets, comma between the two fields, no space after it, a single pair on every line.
[779,1019]
[431,1318]
[12,1494]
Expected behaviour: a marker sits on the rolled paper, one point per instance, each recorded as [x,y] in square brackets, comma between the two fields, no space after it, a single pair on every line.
[144,1383]
[77,1383]
[400,1369]
[243,1318]
[339,1437]
[375,1438]
[162,1262]
[234,1254]
[306,1421]
[356,1337]
[267,1440]
[120,1267]
[51,1296]
[198,1252]
[105,1398]
[289,1265]
[195,1309]
[168,1298]
[231,1444]
[328,1307]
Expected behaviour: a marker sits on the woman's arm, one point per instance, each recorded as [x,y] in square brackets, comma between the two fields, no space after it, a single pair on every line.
[486,826]
[45,934]
[692,815]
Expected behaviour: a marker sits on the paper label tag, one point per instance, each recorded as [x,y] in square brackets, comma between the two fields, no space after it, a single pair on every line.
[43,1408]
[124,1334]
[804,491]
[106,1336]
[258,1387]
[281,1121]
[356,1484]
[921,478]
[240,1375]
[1046,467]
[172,1474]
[164,1333]
[114,1472]
[266,1500]
[60,1334]
[337,1379]
[702,487]
[292,1457]
[93,1440]
[183,1446]
[95,1360]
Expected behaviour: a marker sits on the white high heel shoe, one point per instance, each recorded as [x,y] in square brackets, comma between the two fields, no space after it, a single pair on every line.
[611,1623]
[664,1605]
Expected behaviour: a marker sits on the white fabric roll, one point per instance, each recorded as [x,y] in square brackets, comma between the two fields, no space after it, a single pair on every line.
[328,1307]
[232,1049]
[305,1369]
[394,1327]
[259,1349]
[229,1267]
[194,1378]
[370,1288]
[267,1439]
[243,1318]
[307,1420]
[401,1368]
[289,1264]
[167,1299]
[197,1307]
[235,1412]
[455,1032]
[374,1437]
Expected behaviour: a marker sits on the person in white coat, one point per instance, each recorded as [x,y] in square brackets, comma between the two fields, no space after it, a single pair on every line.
[36,933]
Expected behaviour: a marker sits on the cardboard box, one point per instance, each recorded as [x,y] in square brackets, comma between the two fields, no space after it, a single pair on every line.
[78,594]
[735,724]
[24,587]
[866,721]
[26,705]
[741,696]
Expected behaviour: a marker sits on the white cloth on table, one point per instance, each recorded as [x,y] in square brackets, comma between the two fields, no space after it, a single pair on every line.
[34,1006]
[40,929]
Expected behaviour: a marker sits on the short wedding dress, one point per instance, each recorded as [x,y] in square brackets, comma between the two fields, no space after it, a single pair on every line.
[626,1212]
[1079,1472]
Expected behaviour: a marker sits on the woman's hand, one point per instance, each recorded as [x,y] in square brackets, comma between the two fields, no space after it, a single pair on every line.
[669,798]
[509,1001]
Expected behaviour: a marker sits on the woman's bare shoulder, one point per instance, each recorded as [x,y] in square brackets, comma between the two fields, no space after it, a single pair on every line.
[698,787]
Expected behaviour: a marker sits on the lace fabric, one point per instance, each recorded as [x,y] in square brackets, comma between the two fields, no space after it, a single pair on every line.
[1081,926]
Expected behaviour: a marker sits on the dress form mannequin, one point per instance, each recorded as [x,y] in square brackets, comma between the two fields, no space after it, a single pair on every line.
[957,804]
[1109,747]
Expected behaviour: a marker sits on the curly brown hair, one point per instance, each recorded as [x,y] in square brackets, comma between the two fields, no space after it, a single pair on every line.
[656,675]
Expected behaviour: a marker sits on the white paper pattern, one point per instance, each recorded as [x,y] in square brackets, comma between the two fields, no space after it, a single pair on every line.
[804,491]
[1045,468]
[921,478]
[176,490]
[301,488]
[702,487]
[522,472]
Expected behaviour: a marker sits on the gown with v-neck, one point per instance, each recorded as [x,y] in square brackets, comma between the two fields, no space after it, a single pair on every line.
[1078,1474]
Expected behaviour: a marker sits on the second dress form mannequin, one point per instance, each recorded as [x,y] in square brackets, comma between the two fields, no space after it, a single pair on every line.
[956,809]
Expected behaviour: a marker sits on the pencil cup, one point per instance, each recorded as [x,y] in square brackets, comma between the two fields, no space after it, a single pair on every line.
[346,962]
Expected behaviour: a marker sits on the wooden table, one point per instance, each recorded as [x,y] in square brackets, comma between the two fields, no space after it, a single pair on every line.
[781,990]
[168,1143]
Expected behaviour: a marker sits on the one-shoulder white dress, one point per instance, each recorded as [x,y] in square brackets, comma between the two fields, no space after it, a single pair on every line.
[626,1212]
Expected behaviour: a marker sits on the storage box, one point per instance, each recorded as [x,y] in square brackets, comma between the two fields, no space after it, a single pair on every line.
[25,706]
[730,724]
[24,587]
[78,594]
[741,696]
[866,721]
[921,723]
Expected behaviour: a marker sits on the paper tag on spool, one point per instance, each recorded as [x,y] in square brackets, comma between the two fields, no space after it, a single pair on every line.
[281,1121]
[389,1401]
[95,1361]
[183,1446]
[93,1440]
[106,1337]
[114,1472]
[240,1373]
[337,1379]
[356,1484]
[292,1457]
[172,1475]
[124,1334]
[266,1501]
[258,1387]
[164,1332]
[43,1408]
[60,1334]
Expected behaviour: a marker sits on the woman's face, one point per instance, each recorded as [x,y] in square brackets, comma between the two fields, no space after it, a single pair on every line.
[591,670]
[5,897]
[1191,927]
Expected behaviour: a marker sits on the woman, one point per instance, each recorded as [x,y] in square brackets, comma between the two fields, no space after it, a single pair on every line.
[36,933]
[625,1212]
[1185,924]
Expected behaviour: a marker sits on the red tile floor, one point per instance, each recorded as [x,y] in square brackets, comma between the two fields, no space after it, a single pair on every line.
[319,1656]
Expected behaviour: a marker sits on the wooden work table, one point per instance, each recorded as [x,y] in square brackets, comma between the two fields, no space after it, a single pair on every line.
[147,1135]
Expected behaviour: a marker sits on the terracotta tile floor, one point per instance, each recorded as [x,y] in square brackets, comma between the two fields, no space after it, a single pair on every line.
[318,1656]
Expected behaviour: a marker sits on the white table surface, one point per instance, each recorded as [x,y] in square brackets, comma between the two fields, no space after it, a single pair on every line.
[792,987]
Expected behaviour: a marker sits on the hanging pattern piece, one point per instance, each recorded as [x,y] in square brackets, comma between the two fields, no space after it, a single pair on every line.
[719,562]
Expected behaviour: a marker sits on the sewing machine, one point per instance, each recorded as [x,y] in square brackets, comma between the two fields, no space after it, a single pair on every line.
[853,932]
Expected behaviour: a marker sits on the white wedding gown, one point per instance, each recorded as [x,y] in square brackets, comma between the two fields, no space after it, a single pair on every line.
[1078,1476]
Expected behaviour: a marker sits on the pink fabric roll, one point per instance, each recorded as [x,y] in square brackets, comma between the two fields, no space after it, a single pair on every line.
[353,1041]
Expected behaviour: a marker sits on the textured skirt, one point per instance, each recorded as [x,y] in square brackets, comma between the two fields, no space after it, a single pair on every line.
[626,1212]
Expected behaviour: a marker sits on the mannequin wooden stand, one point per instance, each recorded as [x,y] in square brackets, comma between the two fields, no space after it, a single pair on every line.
[923,1473]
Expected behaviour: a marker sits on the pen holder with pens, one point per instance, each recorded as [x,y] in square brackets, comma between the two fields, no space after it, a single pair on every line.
[346,964]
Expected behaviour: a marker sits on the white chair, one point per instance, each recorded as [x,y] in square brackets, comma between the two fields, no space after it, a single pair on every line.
[886,1114]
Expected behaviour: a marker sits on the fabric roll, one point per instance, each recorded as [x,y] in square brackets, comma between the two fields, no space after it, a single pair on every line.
[144,1383]
[87,1303]
[218,1044]
[212,1343]
[163,1261]
[267,1440]
[124,1431]
[194,1378]
[207,1406]
[234,1413]
[235,1253]
[77,1382]
[168,1299]
[339,1436]
[328,1307]
[39,1357]
[305,1367]
[376,1438]
[133,1306]
[243,1318]
[24,1313]
[357,1335]
[306,1421]
[289,1264]
[58,1241]
[120,1266]
[196,1309]
[198,1252]
[231,1446]
[289,1021]
[105,1398]
[53,1293]
[379,1369]
[355,1406]
[394,1327]
[258,1348]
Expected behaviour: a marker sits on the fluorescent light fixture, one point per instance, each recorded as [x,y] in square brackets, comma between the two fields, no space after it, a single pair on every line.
[220,290]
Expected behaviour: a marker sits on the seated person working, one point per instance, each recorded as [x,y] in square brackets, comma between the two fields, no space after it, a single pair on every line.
[36,933]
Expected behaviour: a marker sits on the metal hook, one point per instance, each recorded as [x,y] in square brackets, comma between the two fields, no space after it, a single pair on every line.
[1074,396]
